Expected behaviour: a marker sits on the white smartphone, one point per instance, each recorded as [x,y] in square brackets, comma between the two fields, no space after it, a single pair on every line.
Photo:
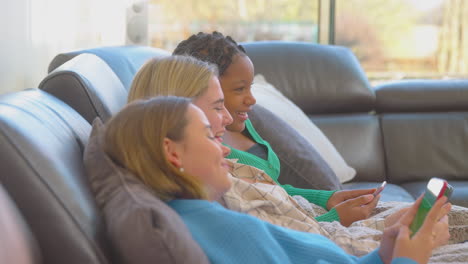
[380,189]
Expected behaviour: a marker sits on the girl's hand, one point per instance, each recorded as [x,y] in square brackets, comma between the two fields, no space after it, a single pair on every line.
[395,217]
[342,196]
[356,209]
[441,231]
[396,240]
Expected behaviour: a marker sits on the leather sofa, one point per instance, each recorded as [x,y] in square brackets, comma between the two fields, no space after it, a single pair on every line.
[403,132]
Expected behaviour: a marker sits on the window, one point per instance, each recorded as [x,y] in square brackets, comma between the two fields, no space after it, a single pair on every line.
[398,39]
[171,21]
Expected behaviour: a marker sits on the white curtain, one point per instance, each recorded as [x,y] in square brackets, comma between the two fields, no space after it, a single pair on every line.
[34,31]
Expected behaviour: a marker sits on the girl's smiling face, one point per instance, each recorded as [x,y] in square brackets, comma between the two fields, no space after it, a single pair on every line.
[201,154]
[211,102]
[236,83]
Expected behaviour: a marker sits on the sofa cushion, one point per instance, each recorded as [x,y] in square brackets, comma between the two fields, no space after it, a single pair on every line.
[419,146]
[358,138]
[141,227]
[272,99]
[317,78]
[301,164]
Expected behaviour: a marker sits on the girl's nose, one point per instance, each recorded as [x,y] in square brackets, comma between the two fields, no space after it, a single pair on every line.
[227,118]
[250,99]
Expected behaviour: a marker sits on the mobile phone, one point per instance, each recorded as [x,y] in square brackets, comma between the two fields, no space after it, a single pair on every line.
[380,189]
[436,188]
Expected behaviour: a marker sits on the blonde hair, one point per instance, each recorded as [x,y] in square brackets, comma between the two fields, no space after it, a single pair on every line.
[134,139]
[182,76]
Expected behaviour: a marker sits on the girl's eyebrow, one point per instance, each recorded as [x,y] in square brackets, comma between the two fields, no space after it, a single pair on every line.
[240,81]
[219,101]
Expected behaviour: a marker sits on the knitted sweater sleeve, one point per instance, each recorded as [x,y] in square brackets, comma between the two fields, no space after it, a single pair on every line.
[231,237]
[318,197]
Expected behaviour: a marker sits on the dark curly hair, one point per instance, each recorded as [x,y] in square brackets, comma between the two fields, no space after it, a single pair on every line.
[215,48]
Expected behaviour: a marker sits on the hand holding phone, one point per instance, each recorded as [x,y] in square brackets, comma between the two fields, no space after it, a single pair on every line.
[436,188]
[380,189]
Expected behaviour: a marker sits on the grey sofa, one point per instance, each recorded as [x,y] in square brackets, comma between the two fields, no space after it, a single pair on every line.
[404,132]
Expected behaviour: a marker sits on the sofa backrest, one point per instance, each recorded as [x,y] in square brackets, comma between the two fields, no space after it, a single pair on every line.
[95,82]
[425,129]
[317,78]
[88,85]
[123,60]
[17,245]
[329,85]
[42,141]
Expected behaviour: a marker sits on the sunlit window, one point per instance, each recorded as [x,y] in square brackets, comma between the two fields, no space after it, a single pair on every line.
[397,39]
[171,21]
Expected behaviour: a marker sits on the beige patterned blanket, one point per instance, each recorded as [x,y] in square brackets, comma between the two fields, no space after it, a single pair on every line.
[255,193]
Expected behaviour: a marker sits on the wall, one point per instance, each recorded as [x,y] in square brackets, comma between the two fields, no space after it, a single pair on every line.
[32,32]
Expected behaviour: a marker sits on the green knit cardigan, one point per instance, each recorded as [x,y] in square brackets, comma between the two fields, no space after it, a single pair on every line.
[272,168]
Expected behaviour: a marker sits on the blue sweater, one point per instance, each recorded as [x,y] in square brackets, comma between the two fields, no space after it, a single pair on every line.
[231,237]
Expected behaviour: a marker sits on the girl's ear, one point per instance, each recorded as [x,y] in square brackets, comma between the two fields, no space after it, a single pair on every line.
[171,150]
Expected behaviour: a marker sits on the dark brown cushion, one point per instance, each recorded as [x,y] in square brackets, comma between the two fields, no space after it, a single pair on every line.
[301,165]
[141,227]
